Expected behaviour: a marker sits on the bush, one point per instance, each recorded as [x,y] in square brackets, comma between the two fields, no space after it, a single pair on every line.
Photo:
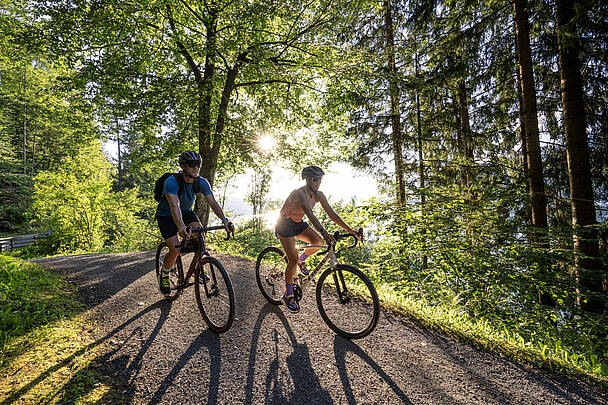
[76,202]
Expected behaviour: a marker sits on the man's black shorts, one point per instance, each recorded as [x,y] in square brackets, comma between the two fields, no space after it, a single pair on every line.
[167,225]
[287,227]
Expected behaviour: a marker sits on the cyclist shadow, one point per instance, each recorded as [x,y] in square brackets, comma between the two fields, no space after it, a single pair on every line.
[207,339]
[342,347]
[129,365]
[306,385]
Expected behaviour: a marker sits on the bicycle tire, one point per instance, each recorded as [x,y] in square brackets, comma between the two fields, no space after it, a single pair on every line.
[270,273]
[176,276]
[215,296]
[357,298]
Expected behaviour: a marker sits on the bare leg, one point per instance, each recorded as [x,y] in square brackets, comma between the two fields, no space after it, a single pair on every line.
[289,246]
[309,235]
[173,252]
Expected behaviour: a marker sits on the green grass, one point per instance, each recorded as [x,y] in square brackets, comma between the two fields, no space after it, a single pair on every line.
[48,352]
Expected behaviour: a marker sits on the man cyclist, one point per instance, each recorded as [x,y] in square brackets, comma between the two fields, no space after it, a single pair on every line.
[290,225]
[174,213]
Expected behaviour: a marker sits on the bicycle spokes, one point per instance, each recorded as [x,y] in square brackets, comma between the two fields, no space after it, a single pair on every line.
[214,295]
[347,301]
[270,273]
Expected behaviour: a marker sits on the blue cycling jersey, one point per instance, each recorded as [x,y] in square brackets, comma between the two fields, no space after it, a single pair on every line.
[186,200]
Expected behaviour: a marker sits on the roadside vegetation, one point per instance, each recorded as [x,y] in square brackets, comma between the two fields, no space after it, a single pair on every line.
[47,349]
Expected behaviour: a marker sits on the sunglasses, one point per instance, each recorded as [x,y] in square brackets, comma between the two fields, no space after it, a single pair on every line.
[193,163]
[316,179]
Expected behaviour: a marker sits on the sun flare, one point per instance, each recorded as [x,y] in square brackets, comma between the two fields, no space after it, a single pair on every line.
[267,143]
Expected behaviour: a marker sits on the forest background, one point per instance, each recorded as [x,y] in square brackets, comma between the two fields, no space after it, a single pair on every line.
[484,123]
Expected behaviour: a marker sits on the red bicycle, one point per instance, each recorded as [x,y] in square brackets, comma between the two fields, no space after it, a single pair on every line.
[212,286]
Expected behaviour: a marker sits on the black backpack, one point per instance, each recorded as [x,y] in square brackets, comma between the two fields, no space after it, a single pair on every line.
[159,185]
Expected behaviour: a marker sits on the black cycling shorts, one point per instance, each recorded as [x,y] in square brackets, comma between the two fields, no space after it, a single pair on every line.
[287,227]
[167,225]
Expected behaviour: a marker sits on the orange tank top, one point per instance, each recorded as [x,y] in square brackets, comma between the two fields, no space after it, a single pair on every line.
[292,208]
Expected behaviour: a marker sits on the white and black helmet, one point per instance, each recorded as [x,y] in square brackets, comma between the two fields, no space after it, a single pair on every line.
[312,171]
[189,157]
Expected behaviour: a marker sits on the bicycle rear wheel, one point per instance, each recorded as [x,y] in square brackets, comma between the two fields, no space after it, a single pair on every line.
[348,301]
[214,294]
[270,273]
[176,276]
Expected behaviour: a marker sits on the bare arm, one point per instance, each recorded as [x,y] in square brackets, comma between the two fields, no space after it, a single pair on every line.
[219,212]
[176,213]
[332,214]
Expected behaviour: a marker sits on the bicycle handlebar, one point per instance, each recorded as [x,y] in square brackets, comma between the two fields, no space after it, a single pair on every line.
[205,229]
[337,236]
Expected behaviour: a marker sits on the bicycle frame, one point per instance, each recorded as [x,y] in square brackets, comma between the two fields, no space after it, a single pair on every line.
[330,256]
[199,253]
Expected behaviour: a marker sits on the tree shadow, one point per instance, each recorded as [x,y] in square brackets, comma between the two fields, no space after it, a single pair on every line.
[103,362]
[343,346]
[307,388]
[554,383]
[103,274]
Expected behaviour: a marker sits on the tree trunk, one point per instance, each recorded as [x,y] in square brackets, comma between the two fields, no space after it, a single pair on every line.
[535,179]
[34,149]
[466,144]
[588,269]
[531,143]
[397,136]
[421,174]
[119,155]
[24,119]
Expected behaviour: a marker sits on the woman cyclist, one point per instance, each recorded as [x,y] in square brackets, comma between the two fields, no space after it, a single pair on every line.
[290,225]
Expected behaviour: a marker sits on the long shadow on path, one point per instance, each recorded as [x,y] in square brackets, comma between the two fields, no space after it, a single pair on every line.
[307,388]
[206,339]
[342,347]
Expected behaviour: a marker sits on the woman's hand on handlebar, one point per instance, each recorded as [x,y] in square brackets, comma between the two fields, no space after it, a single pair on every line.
[328,237]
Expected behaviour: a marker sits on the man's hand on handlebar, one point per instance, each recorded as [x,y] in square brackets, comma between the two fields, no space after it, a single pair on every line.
[228,226]
[184,231]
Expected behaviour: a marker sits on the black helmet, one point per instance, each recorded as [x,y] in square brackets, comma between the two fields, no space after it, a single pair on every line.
[189,156]
[312,171]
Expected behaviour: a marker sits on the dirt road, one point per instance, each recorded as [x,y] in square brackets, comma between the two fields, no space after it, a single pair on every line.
[163,352]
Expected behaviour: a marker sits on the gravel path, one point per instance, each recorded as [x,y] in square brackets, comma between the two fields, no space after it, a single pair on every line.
[163,352]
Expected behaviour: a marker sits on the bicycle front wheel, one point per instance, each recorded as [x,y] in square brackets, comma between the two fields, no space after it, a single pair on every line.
[214,294]
[270,273]
[176,275]
[348,301]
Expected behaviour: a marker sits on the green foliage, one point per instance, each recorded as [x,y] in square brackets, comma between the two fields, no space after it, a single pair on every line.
[481,265]
[15,197]
[75,202]
[30,297]
[248,240]
[70,200]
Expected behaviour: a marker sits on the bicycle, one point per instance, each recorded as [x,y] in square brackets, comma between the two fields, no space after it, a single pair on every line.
[343,293]
[212,286]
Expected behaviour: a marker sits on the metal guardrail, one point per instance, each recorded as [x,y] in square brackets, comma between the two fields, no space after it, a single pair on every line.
[17,242]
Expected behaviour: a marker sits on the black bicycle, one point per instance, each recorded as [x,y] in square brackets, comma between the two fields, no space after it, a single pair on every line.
[346,298]
[212,286]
